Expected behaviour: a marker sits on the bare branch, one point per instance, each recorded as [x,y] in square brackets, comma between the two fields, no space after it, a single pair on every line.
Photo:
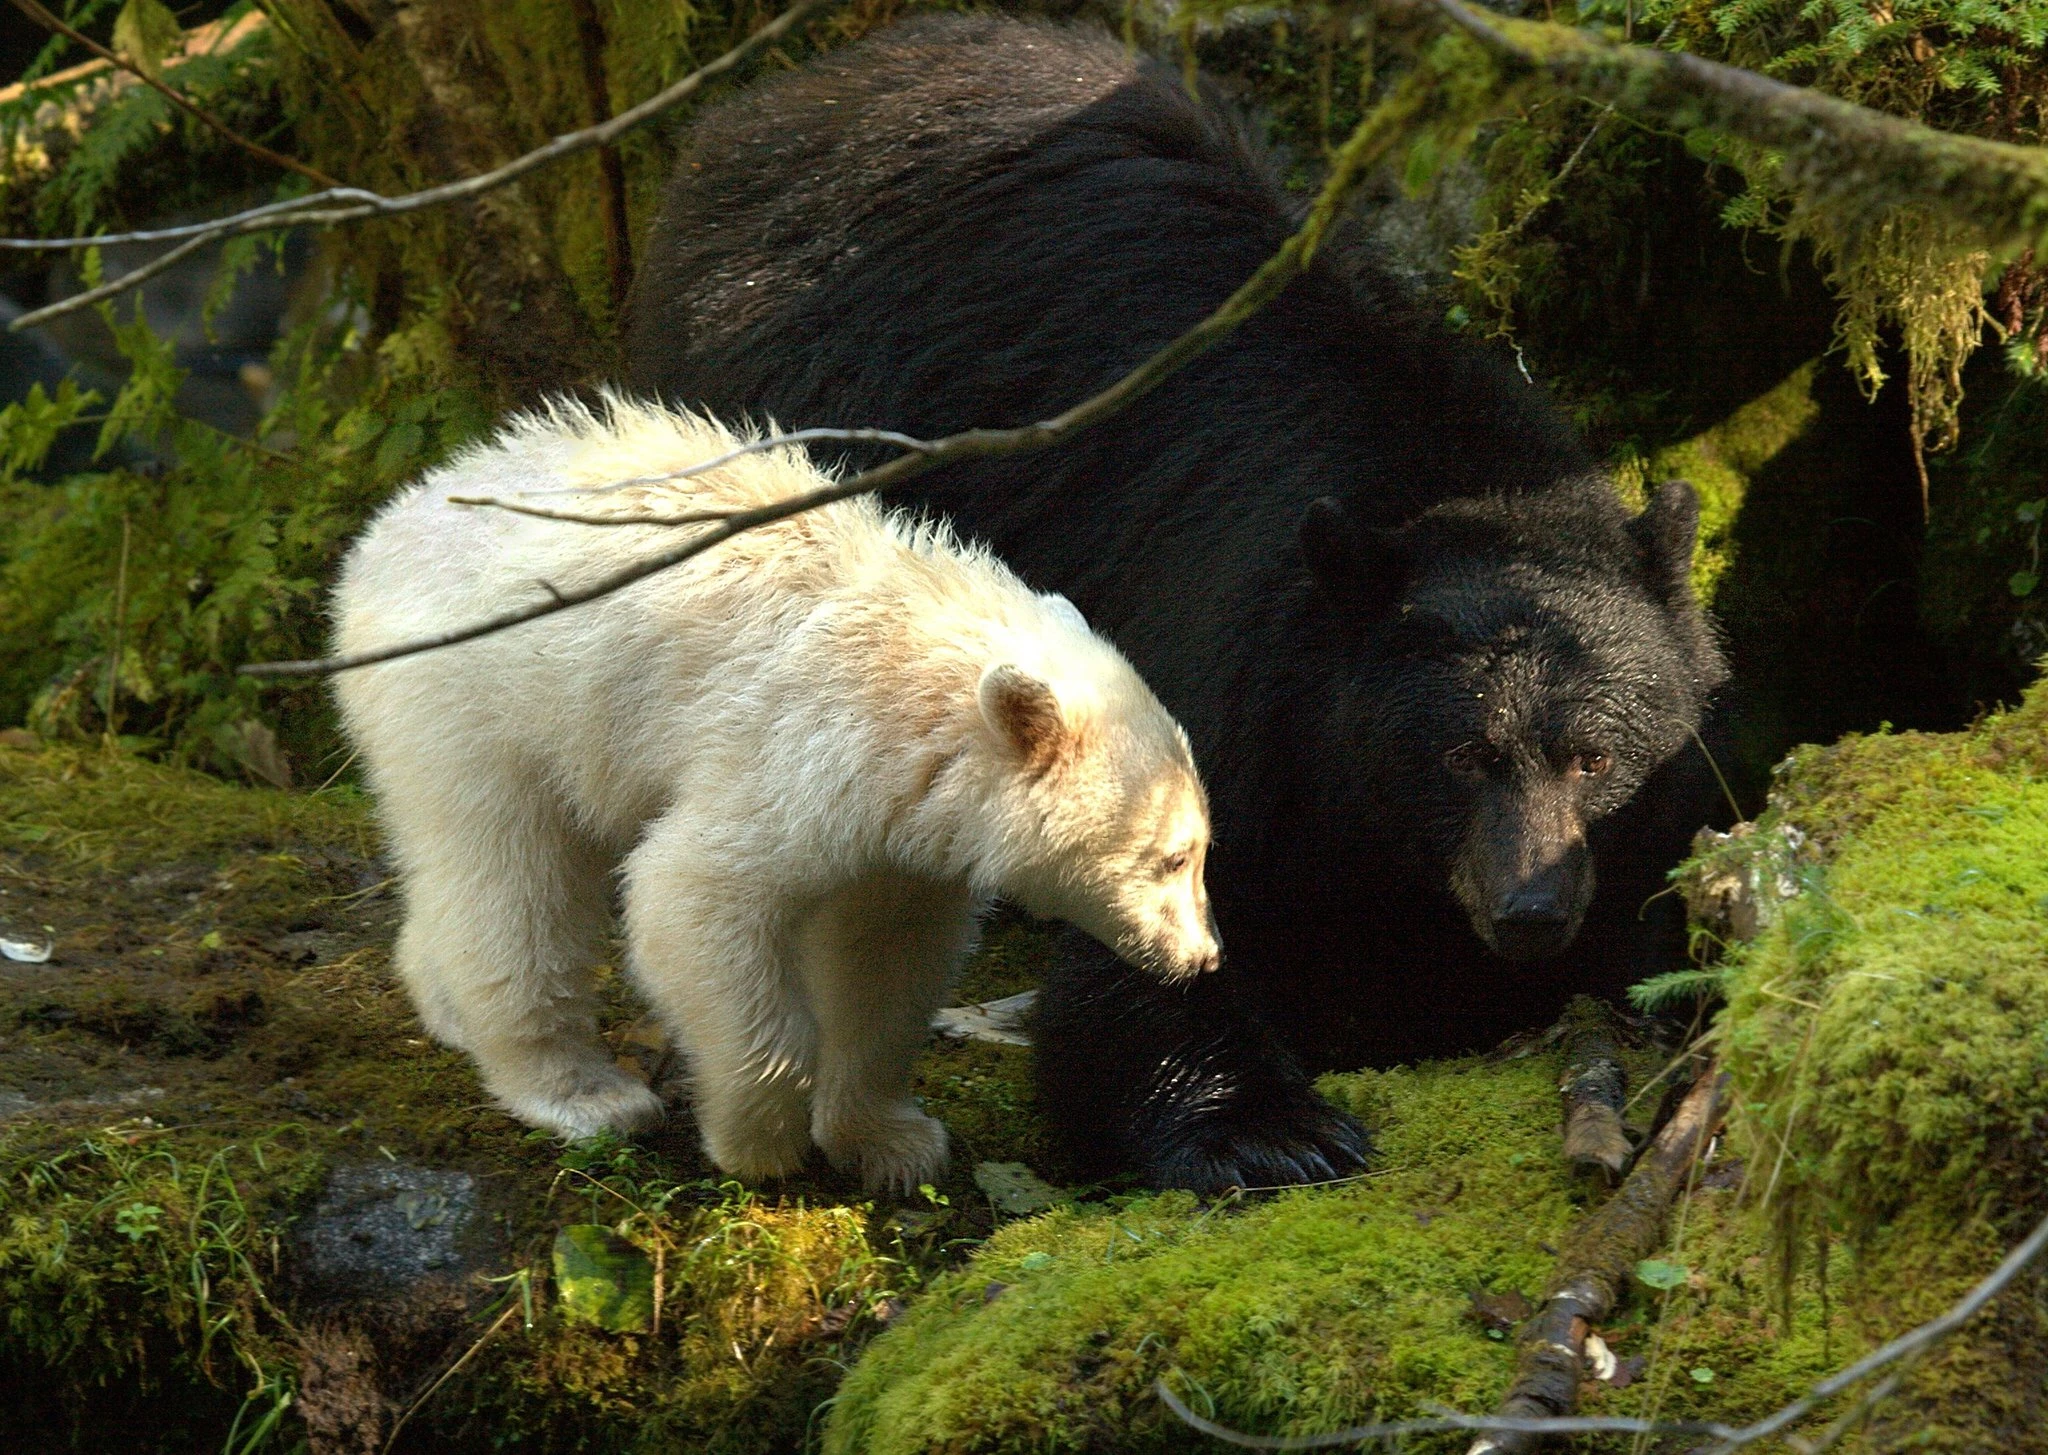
[133,278]
[1439,1425]
[43,17]
[699,517]
[1908,1346]
[1595,1267]
[754,447]
[1371,140]
[349,204]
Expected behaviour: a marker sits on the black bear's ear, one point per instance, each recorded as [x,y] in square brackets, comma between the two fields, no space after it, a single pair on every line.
[1362,566]
[1664,535]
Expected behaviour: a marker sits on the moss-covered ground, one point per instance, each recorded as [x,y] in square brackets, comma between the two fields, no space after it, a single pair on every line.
[216,1045]
[217,1033]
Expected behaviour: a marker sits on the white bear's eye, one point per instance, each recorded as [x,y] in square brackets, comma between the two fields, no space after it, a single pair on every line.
[1174,863]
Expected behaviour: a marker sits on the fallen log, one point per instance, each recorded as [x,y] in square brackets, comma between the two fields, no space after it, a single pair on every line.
[1595,1266]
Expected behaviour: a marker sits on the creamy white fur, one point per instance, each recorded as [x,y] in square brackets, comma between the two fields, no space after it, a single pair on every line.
[816,752]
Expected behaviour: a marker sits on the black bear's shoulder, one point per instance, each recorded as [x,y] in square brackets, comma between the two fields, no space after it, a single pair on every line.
[976,220]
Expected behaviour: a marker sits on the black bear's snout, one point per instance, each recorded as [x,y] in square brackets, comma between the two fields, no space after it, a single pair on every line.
[1535,920]
[1525,876]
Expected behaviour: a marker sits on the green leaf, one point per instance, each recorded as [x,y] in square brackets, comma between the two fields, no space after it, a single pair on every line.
[2023,583]
[604,1280]
[1652,1273]
[145,32]
[1702,1375]
[1032,1262]
[138,1220]
[1015,1189]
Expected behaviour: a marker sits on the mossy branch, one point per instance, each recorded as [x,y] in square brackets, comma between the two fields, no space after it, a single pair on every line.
[1856,163]
[42,16]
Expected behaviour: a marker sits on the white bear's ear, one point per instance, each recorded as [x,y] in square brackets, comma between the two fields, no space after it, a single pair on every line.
[1065,609]
[1023,711]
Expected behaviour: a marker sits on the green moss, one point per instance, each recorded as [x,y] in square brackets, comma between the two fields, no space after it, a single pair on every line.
[1308,1312]
[1722,460]
[223,965]
[115,811]
[1888,1033]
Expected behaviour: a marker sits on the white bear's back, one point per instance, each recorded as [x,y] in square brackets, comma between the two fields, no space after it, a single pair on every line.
[813,650]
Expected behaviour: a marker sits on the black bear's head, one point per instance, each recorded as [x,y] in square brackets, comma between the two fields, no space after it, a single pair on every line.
[1520,665]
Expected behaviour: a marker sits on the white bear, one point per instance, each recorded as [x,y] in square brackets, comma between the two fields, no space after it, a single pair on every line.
[816,752]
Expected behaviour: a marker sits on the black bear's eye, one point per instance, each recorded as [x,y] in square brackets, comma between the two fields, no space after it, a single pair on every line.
[1592,765]
[1472,759]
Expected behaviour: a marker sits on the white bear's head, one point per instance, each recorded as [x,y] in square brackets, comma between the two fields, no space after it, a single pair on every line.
[1104,820]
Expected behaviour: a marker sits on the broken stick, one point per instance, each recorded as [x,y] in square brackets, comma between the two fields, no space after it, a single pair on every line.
[1595,1088]
[1595,1266]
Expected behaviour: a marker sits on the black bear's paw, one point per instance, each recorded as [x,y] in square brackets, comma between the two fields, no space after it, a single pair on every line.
[1259,1144]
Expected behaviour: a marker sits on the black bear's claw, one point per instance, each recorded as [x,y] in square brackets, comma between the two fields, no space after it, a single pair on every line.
[1261,1146]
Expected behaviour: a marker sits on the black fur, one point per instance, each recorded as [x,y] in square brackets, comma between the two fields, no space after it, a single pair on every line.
[1427,660]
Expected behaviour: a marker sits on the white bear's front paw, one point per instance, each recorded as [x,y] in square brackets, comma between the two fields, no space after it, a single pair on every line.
[894,1151]
[757,1148]
[598,1100]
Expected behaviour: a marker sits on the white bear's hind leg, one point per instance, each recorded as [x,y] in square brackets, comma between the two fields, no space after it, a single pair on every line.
[877,961]
[505,905]
[710,948]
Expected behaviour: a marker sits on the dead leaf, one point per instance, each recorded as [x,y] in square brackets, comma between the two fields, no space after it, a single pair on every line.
[1726,1173]
[1015,1189]
[28,952]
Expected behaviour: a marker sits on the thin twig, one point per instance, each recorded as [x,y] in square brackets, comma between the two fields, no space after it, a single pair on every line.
[133,278]
[1372,138]
[754,447]
[909,443]
[1911,1344]
[348,204]
[1439,1425]
[43,17]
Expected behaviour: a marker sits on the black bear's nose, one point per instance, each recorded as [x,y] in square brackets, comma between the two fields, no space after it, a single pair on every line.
[1531,922]
[1540,901]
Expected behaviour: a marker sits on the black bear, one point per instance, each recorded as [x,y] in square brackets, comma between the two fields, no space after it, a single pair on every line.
[1428,660]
